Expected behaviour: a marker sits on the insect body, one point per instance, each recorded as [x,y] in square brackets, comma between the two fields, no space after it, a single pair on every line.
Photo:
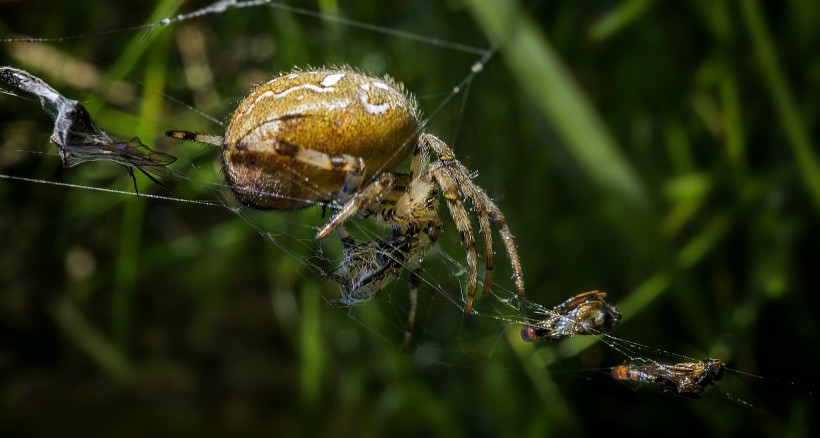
[77,137]
[332,137]
[688,379]
[368,266]
[583,314]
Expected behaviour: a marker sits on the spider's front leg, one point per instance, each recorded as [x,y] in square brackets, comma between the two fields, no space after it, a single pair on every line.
[370,193]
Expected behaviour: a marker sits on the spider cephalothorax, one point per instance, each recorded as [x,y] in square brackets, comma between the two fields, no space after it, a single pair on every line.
[332,136]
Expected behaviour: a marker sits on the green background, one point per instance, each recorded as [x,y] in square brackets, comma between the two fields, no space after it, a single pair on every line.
[664,152]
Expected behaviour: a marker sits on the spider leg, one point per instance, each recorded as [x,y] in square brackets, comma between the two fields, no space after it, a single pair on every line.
[484,226]
[198,137]
[463,225]
[369,193]
[483,205]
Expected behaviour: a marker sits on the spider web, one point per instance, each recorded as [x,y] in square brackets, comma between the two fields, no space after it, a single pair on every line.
[443,336]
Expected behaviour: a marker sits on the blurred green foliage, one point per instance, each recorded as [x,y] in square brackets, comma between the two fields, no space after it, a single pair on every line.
[665,152]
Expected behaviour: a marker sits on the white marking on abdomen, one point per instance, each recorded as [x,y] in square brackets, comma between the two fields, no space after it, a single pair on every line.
[371,108]
[331,80]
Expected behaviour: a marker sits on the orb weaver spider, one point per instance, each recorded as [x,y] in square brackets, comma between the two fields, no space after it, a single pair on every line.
[332,136]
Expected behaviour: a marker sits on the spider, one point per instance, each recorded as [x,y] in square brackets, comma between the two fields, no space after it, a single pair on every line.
[331,136]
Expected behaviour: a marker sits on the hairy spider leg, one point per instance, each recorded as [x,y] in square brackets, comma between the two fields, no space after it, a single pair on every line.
[482,204]
[209,139]
[371,192]
[462,220]
[486,231]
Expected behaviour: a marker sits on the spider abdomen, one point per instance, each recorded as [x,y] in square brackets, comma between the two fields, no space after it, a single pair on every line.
[330,114]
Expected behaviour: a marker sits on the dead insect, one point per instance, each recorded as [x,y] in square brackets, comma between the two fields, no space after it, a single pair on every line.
[688,379]
[583,314]
[368,267]
[332,136]
[77,137]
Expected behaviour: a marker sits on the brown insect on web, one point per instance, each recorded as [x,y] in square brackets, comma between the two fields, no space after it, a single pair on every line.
[77,137]
[584,314]
[688,379]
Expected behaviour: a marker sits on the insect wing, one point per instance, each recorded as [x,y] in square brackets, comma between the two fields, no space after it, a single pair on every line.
[141,155]
[77,137]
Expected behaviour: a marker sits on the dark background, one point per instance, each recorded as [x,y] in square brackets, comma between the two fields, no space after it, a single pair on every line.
[129,316]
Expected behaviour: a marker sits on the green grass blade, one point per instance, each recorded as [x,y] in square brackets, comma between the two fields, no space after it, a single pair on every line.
[542,74]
